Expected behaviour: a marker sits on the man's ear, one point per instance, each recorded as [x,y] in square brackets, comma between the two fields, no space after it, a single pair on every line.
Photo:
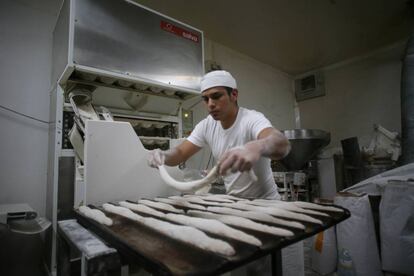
[235,94]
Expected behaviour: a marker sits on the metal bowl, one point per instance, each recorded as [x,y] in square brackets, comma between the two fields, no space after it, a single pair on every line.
[306,143]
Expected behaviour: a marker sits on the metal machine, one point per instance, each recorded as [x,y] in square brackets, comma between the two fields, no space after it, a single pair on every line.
[133,69]
[306,143]
[21,218]
[21,239]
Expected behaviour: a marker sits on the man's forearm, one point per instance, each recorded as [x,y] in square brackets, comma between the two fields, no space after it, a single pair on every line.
[180,153]
[172,157]
[275,145]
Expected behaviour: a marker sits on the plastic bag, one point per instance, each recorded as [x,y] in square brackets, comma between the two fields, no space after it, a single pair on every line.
[356,239]
[397,227]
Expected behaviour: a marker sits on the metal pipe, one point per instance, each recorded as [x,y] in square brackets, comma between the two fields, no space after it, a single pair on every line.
[407,103]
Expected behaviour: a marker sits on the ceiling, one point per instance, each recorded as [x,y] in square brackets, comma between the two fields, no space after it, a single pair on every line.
[295,36]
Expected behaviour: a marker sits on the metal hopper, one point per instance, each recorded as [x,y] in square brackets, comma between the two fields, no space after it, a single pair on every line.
[305,145]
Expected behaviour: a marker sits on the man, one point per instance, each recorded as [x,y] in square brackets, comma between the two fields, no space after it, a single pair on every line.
[239,138]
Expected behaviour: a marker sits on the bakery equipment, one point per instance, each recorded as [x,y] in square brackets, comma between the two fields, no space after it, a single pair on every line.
[305,144]
[21,218]
[294,178]
[21,237]
[129,70]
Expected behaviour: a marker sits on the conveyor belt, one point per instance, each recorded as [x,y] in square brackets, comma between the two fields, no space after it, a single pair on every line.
[159,254]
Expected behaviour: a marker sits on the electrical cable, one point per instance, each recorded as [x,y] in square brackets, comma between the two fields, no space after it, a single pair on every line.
[23,115]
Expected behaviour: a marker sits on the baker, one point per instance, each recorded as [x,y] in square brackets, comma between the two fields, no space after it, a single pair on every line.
[241,139]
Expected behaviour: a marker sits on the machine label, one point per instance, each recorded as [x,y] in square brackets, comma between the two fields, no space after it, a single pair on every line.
[166,26]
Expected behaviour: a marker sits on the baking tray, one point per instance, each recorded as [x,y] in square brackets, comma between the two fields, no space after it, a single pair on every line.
[162,255]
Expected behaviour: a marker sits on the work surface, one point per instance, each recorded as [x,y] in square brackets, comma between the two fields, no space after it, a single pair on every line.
[161,254]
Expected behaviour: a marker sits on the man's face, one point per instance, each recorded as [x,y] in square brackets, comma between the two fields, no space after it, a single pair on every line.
[219,103]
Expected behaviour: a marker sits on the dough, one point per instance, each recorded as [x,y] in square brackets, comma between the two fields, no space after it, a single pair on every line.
[275,211]
[191,185]
[284,205]
[243,223]
[122,211]
[191,235]
[141,208]
[186,234]
[96,215]
[160,206]
[309,205]
[215,227]
[180,202]
[256,216]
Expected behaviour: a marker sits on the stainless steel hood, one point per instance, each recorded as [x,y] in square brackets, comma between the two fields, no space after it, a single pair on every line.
[120,44]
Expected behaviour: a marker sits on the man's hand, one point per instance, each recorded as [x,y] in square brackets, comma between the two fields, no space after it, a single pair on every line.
[156,158]
[240,158]
[271,143]
[173,156]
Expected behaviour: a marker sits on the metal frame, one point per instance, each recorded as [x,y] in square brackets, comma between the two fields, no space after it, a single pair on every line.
[106,259]
[55,152]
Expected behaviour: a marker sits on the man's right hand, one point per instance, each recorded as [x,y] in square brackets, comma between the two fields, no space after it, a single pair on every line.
[156,158]
[173,156]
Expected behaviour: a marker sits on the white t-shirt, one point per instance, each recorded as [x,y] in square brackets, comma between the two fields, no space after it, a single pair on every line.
[248,125]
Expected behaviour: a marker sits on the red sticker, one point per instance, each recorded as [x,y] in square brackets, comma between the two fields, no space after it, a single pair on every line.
[179,31]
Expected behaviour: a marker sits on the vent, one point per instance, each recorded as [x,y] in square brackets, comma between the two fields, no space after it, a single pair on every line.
[309,87]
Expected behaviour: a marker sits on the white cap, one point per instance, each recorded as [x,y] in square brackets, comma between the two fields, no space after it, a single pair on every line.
[217,78]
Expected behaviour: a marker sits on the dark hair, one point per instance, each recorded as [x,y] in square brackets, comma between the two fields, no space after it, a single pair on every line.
[228,89]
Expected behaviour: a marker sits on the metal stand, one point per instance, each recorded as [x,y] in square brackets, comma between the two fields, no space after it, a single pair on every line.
[96,257]
[276,259]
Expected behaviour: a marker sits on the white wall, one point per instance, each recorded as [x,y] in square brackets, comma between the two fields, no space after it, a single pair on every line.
[359,93]
[25,53]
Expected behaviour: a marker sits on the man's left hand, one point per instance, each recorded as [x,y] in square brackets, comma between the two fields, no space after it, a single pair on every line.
[240,158]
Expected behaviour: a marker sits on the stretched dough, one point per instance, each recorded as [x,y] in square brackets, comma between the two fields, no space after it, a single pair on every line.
[210,197]
[274,211]
[200,200]
[284,205]
[215,227]
[243,223]
[122,211]
[96,215]
[161,206]
[256,216]
[141,208]
[191,185]
[191,236]
[224,196]
[180,202]
[309,205]
[187,234]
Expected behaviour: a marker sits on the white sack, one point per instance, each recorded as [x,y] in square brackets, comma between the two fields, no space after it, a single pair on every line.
[356,239]
[397,227]
[324,252]
[293,260]
[374,185]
